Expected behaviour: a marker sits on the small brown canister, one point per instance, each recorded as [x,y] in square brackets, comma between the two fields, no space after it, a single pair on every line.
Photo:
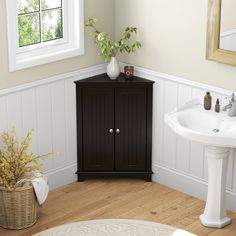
[207,101]
[128,72]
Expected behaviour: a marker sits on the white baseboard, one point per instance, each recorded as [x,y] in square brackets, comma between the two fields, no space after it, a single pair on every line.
[62,176]
[188,184]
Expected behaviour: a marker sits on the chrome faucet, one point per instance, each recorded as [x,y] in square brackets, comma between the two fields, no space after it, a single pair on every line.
[231,107]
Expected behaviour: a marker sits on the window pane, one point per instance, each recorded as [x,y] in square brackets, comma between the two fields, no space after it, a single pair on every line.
[52,25]
[27,6]
[49,4]
[29,29]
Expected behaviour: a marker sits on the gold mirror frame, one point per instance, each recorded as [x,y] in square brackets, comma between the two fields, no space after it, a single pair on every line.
[213,52]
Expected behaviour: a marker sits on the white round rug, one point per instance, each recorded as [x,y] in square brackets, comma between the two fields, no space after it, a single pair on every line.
[114,227]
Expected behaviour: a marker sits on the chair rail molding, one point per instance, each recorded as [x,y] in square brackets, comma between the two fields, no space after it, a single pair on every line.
[79,74]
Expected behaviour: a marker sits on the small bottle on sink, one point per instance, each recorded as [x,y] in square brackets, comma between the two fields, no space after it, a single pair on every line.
[217,106]
[207,101]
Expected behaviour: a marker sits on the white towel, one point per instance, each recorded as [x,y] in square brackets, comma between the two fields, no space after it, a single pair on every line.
[41,188]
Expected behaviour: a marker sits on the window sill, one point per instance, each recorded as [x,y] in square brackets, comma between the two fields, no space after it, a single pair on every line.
[26,62]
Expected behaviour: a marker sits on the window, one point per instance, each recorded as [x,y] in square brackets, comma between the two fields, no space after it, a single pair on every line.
[39,22]
[43,31]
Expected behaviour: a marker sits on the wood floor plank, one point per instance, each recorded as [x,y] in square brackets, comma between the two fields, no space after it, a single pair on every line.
[123,199]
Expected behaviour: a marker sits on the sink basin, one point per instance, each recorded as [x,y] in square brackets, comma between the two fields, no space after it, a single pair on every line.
[218,132]
[208,127]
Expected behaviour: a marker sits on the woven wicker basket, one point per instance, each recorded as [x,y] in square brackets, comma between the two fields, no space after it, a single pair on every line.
[18,208]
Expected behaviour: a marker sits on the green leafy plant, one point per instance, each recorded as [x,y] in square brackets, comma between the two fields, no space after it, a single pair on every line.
[107,47]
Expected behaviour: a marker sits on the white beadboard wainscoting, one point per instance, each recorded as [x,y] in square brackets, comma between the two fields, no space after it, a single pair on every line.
[48,106]
[177,162]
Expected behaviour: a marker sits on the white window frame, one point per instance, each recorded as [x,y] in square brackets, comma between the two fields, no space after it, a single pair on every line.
[71,45]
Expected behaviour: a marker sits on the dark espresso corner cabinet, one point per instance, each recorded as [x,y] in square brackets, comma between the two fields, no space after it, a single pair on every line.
[114,127]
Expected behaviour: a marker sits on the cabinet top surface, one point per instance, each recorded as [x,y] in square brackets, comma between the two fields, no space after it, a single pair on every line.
[103,78]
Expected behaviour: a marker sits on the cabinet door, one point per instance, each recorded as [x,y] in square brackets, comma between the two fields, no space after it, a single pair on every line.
[98,119]
[130,120]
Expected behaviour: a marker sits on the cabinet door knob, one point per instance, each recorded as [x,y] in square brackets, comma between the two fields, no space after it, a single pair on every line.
[117,131]
[111,131]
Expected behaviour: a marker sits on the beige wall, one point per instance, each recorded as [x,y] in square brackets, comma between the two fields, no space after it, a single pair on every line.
[101,9]
[228,16]
[173,34]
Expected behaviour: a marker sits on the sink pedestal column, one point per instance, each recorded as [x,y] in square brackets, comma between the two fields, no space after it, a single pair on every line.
[215,211]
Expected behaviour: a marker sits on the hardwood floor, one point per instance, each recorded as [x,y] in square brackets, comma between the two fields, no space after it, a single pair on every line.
[126,199]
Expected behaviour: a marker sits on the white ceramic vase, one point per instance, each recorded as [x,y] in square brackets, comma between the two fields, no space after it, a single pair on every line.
[113,69]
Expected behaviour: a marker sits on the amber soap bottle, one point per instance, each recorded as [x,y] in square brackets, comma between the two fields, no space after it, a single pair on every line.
[217,106]
[207,101]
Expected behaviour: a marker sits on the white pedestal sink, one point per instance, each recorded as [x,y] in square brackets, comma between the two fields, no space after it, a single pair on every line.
[218,132]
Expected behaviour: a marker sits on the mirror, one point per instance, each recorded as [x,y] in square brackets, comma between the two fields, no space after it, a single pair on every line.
[221,31]
[228,25]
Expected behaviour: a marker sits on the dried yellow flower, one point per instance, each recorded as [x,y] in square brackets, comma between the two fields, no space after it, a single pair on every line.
[16,165]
